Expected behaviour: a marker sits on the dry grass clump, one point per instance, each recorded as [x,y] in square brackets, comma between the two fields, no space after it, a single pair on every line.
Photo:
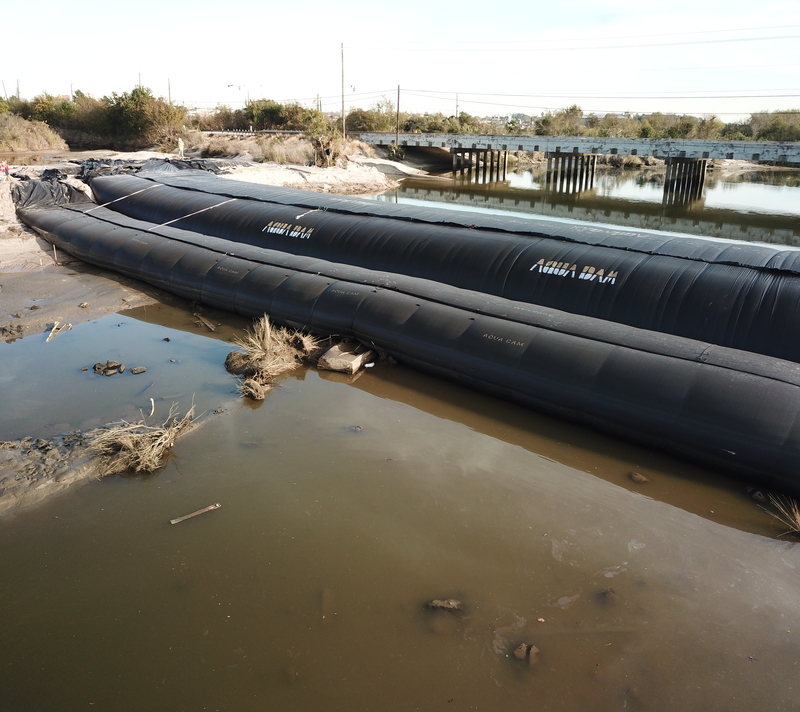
[355,147]
[221,147]
[788,513]
[619,160]
[299,150]
[296,150]
[138,447]
[268,351]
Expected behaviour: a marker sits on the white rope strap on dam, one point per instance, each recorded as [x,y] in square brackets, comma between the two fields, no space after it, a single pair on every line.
[196,212]
[136,192]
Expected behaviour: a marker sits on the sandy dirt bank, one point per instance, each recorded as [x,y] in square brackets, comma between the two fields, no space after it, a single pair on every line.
[32,469]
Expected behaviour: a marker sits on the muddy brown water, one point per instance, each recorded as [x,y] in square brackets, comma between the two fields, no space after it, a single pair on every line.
[346,505]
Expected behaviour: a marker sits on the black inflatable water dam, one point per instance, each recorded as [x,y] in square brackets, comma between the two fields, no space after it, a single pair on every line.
[446,292]
[741,295]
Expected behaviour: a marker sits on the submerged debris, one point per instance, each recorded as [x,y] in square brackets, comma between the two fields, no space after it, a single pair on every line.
[756,495]
[452,605]
[638,477]
[137,447]
[606,596]
[527,651]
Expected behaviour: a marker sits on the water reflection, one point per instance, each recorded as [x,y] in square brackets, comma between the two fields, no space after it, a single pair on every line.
[740,210]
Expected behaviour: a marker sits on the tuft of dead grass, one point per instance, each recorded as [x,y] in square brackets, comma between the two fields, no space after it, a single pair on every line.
[787,513]
[253,388]
[268,351]
[296,150]
[138,447]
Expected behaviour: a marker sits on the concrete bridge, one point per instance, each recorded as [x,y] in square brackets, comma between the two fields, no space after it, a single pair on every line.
[757,151]
[571,161]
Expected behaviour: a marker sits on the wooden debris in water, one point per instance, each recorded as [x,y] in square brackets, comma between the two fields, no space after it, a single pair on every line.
[138,447]
[56,330]
[346,357]
[202,321]
[210,508]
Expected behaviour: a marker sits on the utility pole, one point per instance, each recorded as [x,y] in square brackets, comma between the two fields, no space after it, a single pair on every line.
[4,91]
[397,133]
[169,91]
[343,126]
[456,104]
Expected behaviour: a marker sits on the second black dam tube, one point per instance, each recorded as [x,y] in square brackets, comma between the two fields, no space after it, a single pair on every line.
[739,295]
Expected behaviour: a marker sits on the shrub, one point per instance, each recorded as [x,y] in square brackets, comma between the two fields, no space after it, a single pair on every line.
[18,134]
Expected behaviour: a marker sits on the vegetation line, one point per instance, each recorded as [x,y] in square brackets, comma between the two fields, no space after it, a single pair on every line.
[138,119]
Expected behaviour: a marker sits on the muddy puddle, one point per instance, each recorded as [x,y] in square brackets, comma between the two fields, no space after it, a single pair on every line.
[346,505]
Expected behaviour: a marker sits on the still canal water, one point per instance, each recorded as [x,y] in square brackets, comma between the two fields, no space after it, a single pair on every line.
[346,505]
[756,206]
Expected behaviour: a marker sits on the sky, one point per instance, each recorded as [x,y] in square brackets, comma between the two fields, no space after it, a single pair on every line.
[728,59]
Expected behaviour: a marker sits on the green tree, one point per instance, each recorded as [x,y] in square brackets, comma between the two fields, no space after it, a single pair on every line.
[565,122]
[264,114]
[709,127]
[737,131]
[128,113]
[300,118]
[684,127]
[223,118]
[776,126]
[467,123]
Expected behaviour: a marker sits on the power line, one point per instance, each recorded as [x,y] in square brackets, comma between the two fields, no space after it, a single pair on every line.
[504,48]
[690,95]
[592,38]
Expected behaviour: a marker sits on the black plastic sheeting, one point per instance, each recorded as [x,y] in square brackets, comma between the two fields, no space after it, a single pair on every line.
[740,295]
[92,168]
[727,408]
[49,192]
